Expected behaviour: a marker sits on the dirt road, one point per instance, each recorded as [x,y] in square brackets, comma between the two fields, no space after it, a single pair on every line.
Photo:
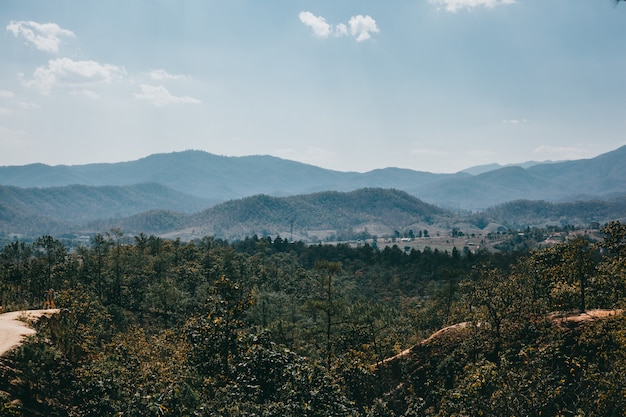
[13,330]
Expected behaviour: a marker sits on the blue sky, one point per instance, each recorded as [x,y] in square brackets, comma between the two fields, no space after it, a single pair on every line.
[351,85]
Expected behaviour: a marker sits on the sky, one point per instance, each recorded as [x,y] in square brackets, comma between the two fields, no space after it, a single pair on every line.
[350,85]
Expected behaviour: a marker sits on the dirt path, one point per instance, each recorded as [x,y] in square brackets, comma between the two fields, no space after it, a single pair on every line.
[559,318]
[13,330]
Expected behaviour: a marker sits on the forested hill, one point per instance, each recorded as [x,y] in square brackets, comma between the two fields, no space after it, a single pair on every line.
[524,213]
[220,178]
[155,209]
[312,216]
[62,209]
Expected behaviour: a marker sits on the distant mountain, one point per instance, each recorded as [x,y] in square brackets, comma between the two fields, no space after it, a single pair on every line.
[218,179]
[599,178]
[481,169]
[16,221]
[523,213]
[57,208]
[84,210]
[488,189]
[604,175]
[312,216]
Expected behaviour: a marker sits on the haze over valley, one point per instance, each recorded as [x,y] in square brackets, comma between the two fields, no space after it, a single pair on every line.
[193,193]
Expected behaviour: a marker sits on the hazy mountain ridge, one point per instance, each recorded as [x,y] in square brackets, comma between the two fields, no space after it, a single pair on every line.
[481,169]
[220,178]
[313,198]
[57,208]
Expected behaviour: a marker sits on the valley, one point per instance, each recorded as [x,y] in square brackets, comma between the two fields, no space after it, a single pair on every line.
[358,302]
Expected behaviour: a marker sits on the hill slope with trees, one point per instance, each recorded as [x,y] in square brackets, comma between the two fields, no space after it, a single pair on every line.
[266,327]
[62,209]
[360,214]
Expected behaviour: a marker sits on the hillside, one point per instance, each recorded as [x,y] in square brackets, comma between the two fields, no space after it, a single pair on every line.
[268,327]
[523,213]
[155,209]
[219,178]
[213,177]
[602,175]
[17,221]
[309,217]
[44,210]
[445,360]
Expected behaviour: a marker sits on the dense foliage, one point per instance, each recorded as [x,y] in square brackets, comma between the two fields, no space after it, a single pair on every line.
[267,327]
[520,213]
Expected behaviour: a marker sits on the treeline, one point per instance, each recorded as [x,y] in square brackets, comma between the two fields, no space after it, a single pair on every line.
[268,327]
[521,213]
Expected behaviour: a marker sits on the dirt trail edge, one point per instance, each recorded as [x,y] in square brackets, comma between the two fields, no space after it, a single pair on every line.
[14,328]
[559,318]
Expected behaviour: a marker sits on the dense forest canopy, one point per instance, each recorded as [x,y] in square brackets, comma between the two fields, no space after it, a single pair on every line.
[270,327]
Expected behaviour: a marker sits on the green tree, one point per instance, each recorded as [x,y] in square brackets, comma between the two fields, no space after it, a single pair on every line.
[328,303]
[572,273]
[97,261]
[15,273]
[82,326]
[610,285]
[52,252]
[214,335]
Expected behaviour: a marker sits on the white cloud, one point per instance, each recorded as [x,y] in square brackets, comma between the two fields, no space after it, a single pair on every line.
[44,36]
[159,96]
[455,5]
[4,111]
[6,94]
[67,72]
[362,26]
[161,74]
[320,27]
[341,30]
[514,121]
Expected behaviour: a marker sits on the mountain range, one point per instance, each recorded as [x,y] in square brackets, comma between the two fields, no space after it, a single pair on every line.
[214,179]
[198,191]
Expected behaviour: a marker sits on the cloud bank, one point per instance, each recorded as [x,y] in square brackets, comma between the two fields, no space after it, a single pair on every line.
[67,72]
[360,27]
[456,5]
[43,36]
[160,96]
[161,74]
